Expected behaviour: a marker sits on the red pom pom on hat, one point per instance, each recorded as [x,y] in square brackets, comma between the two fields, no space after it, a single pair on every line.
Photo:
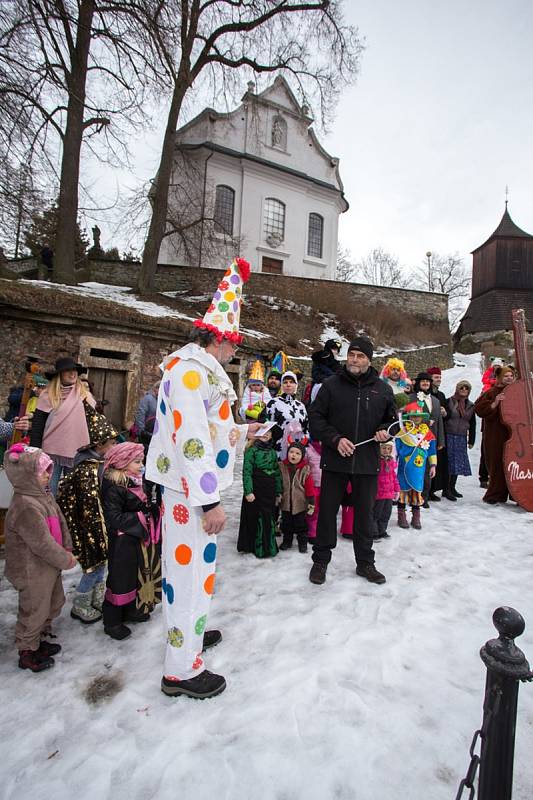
[230,336]
[244,269]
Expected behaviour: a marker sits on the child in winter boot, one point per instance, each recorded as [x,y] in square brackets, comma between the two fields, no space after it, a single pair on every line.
[261,481]
[133,528]
[78,496]
[415,444]
[37,549]
[298,499]
[388,490]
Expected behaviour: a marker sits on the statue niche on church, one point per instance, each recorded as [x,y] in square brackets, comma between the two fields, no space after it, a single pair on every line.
[279,133]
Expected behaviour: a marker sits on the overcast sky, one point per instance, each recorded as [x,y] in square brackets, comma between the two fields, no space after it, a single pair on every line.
[438,123]
[441,119]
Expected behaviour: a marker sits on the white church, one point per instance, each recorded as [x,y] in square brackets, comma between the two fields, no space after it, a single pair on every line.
[255,182]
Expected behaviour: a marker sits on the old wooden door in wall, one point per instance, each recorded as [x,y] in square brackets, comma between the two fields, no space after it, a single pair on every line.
[110,385]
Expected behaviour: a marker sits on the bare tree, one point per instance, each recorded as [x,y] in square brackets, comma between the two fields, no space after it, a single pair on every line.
[194,233]
[68,69]
[307,41]
[446,274]
[19,198]
[381,268]
[194,229]
[345,267]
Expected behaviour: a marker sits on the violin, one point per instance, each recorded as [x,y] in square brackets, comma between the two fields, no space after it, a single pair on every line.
[516,412]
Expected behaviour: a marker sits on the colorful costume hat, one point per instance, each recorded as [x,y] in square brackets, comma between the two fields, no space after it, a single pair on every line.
[100,429]
[395,363]
[280,362]
[415,409]
[223,315]
[257,373]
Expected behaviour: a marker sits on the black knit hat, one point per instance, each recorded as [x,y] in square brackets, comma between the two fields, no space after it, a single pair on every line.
[364,345]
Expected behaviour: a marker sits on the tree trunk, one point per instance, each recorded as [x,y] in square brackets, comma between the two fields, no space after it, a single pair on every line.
[160,194]
[65,250]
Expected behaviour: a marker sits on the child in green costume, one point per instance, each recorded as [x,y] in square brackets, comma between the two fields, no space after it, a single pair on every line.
[262,488]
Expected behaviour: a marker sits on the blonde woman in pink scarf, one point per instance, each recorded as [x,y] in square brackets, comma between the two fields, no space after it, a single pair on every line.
[59,424]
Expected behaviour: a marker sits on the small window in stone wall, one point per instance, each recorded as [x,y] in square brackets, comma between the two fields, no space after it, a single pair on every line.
[116,355]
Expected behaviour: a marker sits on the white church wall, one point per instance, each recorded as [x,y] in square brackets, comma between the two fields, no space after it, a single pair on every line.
[270,126]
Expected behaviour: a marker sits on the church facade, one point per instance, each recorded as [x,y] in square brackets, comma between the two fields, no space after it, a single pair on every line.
[255,181]
[502,279]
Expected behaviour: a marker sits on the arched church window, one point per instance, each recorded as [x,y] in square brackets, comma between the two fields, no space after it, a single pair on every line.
[224,207]
[278,136]
[315,235]
[274,221]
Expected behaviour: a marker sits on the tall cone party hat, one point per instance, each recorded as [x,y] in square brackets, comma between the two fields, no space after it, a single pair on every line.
[223,315]
[257,373]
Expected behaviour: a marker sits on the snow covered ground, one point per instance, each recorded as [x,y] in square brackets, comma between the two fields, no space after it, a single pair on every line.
[346,690]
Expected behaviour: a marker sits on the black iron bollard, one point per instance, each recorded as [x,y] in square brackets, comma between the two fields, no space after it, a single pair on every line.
[506,666]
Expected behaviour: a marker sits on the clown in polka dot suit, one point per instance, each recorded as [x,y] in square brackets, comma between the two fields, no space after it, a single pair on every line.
[192,456]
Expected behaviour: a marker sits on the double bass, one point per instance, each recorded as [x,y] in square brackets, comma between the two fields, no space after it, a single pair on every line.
[516,412]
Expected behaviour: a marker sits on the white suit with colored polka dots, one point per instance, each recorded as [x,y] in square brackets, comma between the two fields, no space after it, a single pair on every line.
[192,456]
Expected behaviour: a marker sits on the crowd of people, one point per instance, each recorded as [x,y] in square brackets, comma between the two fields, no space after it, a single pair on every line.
[357,439]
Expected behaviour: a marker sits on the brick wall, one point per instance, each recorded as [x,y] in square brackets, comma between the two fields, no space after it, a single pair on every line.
[51,340]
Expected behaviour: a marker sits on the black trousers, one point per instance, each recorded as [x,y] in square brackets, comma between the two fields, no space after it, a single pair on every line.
[332,488]
[294,525]
[382,512]
[483,471]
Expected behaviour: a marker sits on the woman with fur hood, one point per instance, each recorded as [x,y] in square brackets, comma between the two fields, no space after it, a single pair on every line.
[37,549]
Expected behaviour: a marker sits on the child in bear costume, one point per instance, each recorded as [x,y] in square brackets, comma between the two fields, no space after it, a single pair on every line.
[38,547]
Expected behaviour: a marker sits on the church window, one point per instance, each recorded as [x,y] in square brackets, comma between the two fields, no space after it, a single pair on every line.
[224,206]
[315,235]
[274,219]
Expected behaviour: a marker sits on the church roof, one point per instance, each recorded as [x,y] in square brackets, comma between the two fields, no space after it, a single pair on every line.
[507,229]
[491,311]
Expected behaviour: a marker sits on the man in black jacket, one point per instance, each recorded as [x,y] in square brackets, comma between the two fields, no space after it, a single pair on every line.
[351,406]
